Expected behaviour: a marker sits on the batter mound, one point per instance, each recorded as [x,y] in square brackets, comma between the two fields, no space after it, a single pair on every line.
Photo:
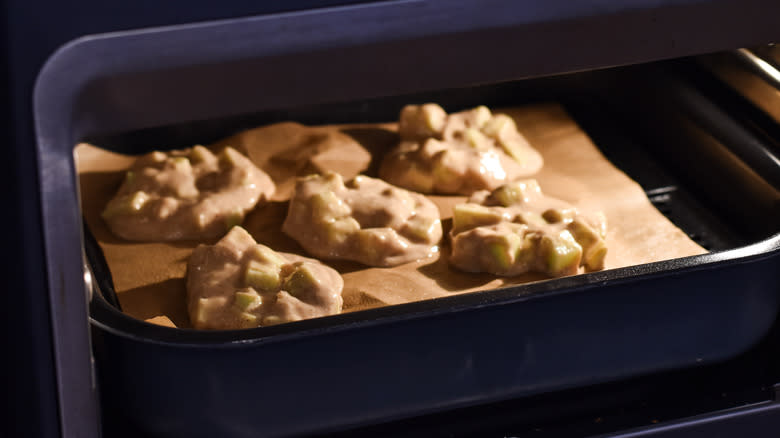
[238,283]
[186,194]
[516,229]
[458,153]
[369,221]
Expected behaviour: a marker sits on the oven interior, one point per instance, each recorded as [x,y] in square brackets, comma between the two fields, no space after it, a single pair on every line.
[657,122]
[53,385]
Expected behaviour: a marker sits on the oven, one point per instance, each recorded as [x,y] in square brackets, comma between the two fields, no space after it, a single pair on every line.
[678,347]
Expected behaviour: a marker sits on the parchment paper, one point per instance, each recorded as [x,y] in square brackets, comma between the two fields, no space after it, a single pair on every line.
[149,277]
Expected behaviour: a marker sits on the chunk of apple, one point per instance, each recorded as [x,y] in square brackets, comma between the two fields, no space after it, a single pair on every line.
[339,230]
[181,164]
[230,157]
[499,126]
[480,116]
[266,255]
[248,320]
[503,251]
[561,254]
[593,246]
[127,204]
[421,228]
[417,122]
[300,280]
[476,139]
[326,206]
[248,300]
[468,216]
[204,308]
[262,276]
[517,192]
[200,154]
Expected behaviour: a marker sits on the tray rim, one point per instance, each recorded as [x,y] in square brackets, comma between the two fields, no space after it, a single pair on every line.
[120,324]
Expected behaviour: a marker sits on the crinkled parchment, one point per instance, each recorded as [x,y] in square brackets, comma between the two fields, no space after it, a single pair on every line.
[149,277]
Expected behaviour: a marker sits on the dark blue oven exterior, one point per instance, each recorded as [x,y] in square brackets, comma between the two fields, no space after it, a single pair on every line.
[559,37]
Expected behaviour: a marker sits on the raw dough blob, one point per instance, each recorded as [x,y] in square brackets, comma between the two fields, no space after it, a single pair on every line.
[458,153]
[367,221]
[238,283]
[186,194]
[516,229]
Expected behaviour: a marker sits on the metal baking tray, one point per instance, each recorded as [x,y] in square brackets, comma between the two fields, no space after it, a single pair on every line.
[485,346]
[383,364]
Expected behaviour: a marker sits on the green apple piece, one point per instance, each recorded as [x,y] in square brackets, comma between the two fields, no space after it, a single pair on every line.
[367,243]
[468,216]
[517,192]
[181,164]
[595,256]
[248,300]
[204,308]
[434,117]
[201,314]
[300,280]
[200,154]
[421,228]
[583,233]
[481,115]
[230,156]
[333,180]
[561,253]
[503,250]
[266,255]
[417,122]
[237,237]
[248,320]
[431,147]
[127,204]
[262,276]
[593,246]
[326,206]
[340,229]
[556,215]
[477,139]
[499,126]
[502,128]
[513,146]
[272,320]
